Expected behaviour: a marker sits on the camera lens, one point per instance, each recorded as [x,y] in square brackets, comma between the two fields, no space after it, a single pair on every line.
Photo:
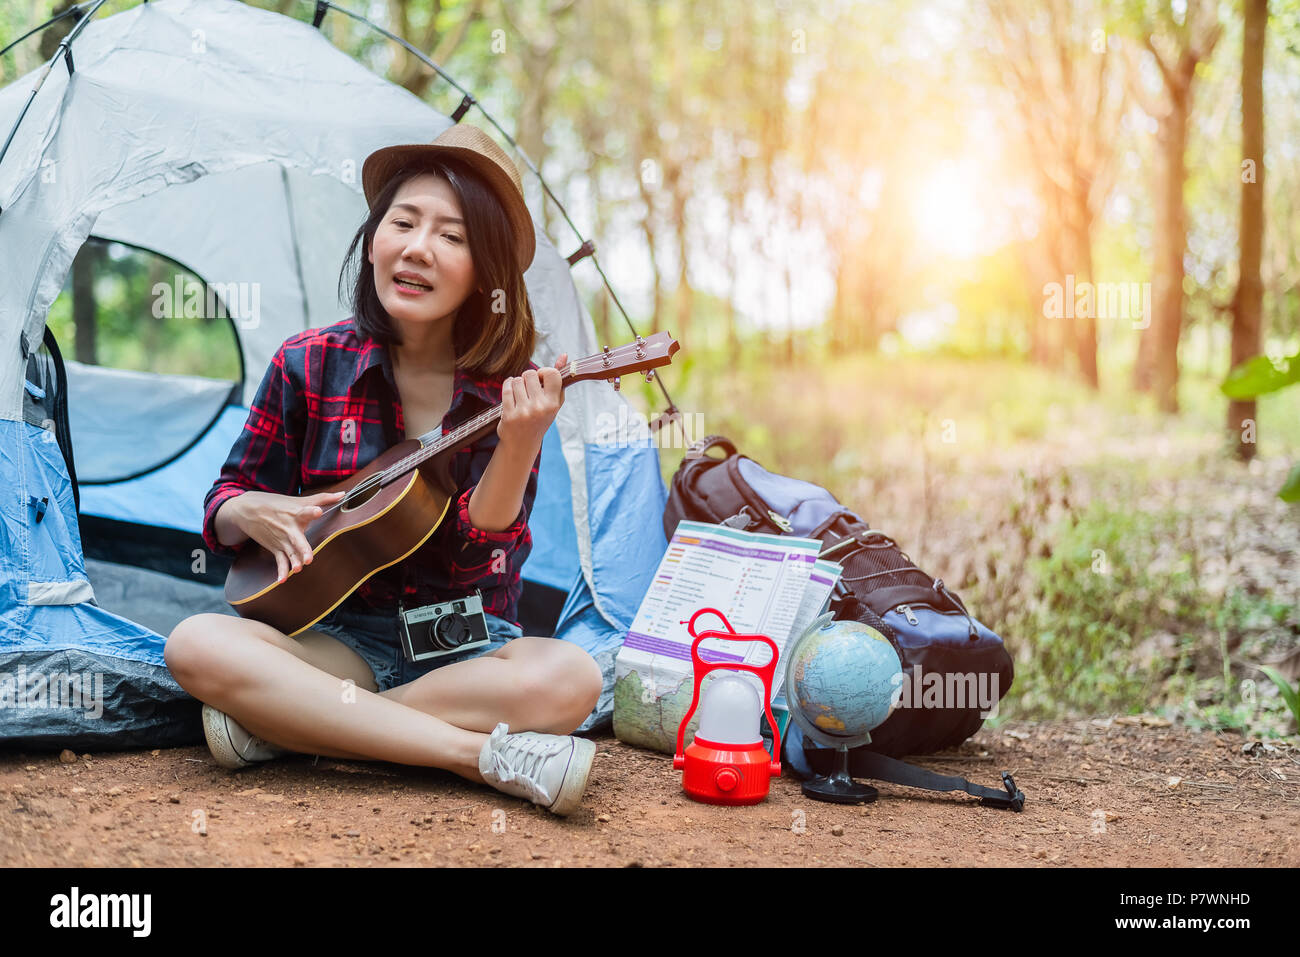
[450,631]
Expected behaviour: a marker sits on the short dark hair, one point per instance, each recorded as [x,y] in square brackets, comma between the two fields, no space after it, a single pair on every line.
[495,333]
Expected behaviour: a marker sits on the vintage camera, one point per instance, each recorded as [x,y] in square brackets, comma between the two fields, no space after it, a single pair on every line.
[448,628]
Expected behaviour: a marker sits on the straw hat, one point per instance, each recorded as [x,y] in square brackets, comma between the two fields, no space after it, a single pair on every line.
[465,142]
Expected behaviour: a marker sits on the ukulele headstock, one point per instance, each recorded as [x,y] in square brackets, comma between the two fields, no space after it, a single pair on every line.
[643,355]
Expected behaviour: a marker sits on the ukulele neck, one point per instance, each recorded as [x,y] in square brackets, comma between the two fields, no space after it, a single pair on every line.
[434,443]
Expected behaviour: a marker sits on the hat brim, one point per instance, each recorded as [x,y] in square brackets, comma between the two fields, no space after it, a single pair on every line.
[381,165]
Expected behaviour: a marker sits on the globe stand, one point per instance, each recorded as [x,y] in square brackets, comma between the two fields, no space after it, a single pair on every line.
[839,787]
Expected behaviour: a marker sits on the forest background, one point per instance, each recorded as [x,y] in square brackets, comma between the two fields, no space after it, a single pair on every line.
[984,270]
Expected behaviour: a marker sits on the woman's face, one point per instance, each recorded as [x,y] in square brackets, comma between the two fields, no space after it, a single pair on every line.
[423,235]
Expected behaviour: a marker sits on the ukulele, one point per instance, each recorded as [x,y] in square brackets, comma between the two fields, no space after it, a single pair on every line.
[391,508]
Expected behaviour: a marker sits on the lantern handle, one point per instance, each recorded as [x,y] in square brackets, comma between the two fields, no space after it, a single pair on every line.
[702,668]
[690,627]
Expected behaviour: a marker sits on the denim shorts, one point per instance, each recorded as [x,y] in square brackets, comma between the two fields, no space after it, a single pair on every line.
[375,636]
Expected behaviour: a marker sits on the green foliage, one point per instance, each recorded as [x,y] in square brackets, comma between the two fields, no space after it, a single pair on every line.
[1228,704]
[1014,526]
[1261,375]
[1290,491]
[1290,693]
[1100,599]
[1118,607]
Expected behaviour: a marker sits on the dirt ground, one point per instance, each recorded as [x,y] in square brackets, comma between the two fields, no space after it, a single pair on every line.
[1100,792]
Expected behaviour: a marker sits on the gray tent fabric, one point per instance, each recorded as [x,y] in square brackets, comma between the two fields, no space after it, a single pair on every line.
[113,411]
[150,598]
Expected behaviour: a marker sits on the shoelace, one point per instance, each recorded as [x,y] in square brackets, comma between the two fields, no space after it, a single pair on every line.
[530,755]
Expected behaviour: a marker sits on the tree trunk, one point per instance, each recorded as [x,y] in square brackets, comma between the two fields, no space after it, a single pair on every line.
[83,303]
[1085,326]
[1055,334]
[1170,244]
[648,230]
[1142,365]
[732,317]
[685,295]
[1248,301]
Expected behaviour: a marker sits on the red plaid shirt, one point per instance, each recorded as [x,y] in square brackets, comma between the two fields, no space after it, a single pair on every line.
[296,440]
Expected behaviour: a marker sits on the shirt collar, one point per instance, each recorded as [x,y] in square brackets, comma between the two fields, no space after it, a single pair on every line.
[372,354]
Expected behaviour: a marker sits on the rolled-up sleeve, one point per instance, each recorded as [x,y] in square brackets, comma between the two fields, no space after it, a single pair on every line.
[486,559]
[265,456]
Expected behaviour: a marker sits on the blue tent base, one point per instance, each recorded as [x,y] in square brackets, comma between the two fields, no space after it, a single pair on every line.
[113,704]
[110,691]
[72,675]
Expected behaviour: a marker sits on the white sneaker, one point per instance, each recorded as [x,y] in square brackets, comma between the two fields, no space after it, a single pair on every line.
[231,745]
[547,769]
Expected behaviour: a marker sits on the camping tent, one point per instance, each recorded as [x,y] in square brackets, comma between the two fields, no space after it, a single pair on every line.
[229,140]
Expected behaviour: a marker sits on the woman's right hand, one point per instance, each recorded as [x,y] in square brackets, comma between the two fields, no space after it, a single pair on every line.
[278,523]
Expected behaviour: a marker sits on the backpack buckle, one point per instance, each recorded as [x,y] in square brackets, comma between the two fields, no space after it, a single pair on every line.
[745,519]
[1014,799]
[742,520]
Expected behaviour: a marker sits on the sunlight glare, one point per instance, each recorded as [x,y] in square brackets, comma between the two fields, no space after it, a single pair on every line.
[947,212]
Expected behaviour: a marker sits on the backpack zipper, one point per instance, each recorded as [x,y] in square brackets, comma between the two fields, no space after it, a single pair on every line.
[780,521]
[906,610]
[939,587]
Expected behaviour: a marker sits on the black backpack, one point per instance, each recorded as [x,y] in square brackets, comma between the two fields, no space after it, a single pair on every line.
[927,623]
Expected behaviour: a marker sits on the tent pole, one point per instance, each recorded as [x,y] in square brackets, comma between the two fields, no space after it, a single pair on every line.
[65,48]
[73,11]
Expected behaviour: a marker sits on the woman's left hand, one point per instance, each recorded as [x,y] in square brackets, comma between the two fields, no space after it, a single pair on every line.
[529,404]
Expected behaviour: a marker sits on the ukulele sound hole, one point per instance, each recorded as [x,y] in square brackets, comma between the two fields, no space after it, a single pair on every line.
[358,497]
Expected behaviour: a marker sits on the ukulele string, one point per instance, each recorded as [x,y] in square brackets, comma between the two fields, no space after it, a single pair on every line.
[414,459]
[404,465]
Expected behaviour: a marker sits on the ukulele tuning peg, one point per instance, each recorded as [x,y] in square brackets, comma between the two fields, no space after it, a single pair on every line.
[615,382]
[649,374]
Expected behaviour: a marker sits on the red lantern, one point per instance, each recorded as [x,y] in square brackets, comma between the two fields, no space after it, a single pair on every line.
[727,763]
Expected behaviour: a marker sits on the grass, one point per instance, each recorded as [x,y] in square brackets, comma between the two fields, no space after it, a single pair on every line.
[1130,566]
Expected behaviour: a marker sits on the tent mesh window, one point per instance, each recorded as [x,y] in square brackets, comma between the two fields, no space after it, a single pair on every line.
[145,356]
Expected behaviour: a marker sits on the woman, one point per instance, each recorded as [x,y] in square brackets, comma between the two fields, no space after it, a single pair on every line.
[441,329]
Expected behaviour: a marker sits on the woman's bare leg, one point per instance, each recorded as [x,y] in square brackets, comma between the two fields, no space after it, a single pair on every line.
[532,684]
[259,677]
